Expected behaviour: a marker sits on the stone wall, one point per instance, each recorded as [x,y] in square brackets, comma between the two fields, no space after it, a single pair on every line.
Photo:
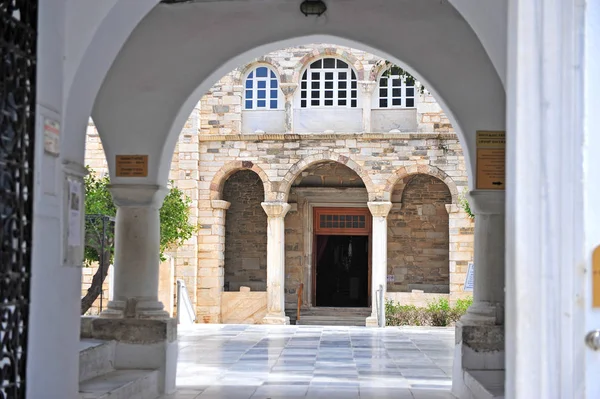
[418,235]
[243,307]
[220,110]
[245,233]
[212,147]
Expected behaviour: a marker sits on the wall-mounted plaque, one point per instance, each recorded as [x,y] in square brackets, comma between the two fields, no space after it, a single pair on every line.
[131,165]
[491,165]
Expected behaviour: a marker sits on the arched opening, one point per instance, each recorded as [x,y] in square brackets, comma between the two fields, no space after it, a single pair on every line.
[195,75]
[245,233]
[418,236]
[328,237]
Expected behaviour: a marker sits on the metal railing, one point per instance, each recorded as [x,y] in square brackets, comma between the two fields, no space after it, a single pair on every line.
[380,307]
[300,289]
[185,309]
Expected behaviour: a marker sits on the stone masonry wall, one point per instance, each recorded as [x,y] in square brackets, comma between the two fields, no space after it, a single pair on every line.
[212,147]
[245,233]
[418,236]
[220,110]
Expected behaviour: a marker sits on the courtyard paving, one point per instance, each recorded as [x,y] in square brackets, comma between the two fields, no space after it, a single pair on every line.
[261,362]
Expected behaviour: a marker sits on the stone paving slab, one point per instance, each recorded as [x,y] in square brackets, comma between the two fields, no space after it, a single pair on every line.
[271,362]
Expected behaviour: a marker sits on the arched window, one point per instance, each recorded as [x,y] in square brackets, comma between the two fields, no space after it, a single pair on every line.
[328,82]
[396,89]
[261,89]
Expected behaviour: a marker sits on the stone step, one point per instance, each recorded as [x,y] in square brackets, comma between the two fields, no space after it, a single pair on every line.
[334,312]
[121,384]
[95,358]
[485,384]
[331,320]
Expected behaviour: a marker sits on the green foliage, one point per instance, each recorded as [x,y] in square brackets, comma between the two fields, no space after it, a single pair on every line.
[464,204]
[393,70]
[174,226]
[174,217]
[436,313]
[98,201]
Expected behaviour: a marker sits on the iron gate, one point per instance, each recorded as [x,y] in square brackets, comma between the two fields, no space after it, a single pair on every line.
[18,46]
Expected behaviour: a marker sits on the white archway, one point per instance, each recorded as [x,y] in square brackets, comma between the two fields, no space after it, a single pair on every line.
[153,85]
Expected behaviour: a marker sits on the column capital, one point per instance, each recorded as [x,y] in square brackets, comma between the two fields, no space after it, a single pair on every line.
[220,204]
[367,86]
[276,209]
[138,195]
[379,208]
[485,202]
[288,89]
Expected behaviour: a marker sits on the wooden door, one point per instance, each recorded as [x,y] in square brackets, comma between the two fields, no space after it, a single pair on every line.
[338,222]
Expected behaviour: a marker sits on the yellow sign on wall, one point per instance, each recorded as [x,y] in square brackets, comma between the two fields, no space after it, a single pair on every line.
[491,164]
[131,165]
[596,278]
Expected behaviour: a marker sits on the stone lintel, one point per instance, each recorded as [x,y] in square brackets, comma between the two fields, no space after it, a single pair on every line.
[486,202]
[379,208]
[131,331]
[276,209]
[138,195]
[220,204]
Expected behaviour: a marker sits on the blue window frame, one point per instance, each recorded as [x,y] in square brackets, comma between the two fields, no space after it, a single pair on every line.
[261,89]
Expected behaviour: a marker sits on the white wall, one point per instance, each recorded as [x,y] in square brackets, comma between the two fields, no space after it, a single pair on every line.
[52,362]
[215,37]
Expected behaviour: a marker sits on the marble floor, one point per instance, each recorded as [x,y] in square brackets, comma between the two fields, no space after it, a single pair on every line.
[272,362]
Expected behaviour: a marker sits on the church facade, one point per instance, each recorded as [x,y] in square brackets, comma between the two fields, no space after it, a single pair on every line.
[284,160]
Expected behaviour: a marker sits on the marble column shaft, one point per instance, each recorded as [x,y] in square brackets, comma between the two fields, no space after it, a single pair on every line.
[276,212]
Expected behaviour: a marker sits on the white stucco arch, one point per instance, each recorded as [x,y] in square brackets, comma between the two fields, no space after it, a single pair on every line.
[153,84]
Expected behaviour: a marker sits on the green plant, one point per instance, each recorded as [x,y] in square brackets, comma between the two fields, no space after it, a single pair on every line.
[175,229]
[437,313]
[462,305]
[394,70]
[464,204]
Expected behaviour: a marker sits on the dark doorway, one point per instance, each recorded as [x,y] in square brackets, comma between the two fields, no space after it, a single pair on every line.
[342,271]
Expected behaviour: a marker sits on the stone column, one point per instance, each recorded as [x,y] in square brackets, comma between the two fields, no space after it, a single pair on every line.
[488,291]
[367,88]
[137,252]
[211,263]
[276,212]
[288,90]
[379,210]
[480,332]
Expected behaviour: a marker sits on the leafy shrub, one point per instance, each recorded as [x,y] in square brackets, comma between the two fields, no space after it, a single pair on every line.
[437,313]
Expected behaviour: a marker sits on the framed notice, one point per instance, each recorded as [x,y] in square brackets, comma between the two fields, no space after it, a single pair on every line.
[73,220]
[491,164]
[470,278]
[131,165]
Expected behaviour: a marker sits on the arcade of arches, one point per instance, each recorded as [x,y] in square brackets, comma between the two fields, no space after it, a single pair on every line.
[139,69]
[405,156]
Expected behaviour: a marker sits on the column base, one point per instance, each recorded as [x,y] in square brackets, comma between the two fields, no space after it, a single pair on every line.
[276,319]
[135,309]
[484,313]
[140,344]
[478,346]
[371,321]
